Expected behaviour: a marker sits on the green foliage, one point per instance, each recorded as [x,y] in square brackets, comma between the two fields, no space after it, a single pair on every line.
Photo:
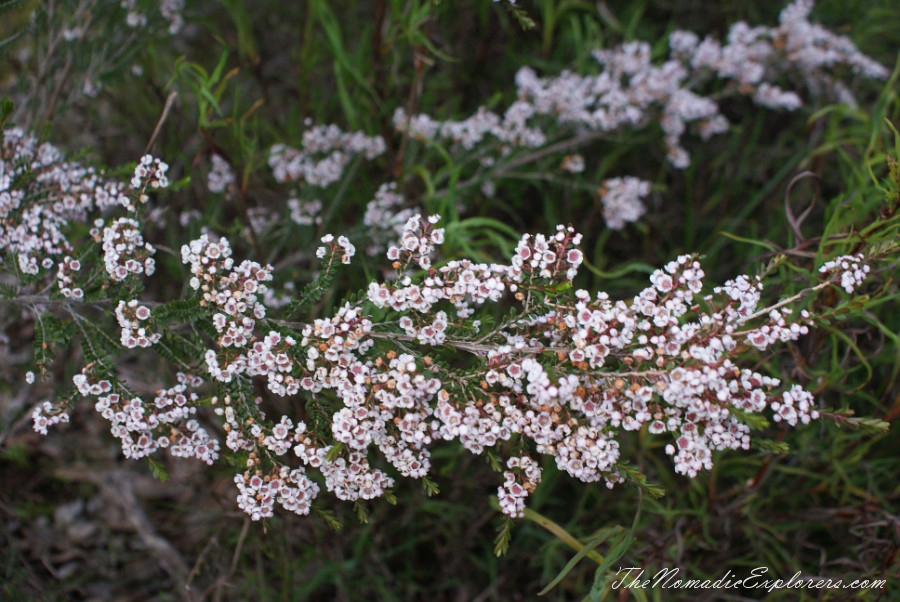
[51,333]
[157,470]
[314,290]
[179,310]
[6,109]
[209,88]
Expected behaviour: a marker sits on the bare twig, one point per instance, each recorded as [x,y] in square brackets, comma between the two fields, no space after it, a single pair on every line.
[796,222]
[223,581]
[170,100]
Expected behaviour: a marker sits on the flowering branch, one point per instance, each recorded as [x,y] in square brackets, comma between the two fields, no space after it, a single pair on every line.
[550,369]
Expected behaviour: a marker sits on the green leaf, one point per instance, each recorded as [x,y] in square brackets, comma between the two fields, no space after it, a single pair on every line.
[335,451]
[750,241]
[493,460]
[617,551]
[314,290]
[757,422]
[522,17]
[556,530]
[244,25]
[592,543]
[179,310]
[501,542]
[361,513]
[343,64]
[328,518]
[640,479]
[6,109]
[629,268]
[156,468]
[774,447]
[431,488]
[845,417]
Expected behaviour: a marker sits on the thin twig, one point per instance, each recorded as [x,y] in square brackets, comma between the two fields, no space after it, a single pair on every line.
[196,568]
[170,100]
[217,594]
[796,222]
[787,301]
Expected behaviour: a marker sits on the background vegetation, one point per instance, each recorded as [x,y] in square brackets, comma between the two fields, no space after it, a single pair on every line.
[81,523]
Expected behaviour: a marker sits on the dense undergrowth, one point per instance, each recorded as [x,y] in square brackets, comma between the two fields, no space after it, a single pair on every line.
[773,153]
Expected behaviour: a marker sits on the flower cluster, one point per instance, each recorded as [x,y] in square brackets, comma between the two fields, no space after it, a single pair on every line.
[46,415]
[385,216]
[463,283]
[351,478]
[328,347]
[124,249]
[621,198]
[65,281]
[572,163]
[417,242]
[178,402]
[522,478]
[305,213]
[324,154]
[327,358]
[233,292]
[796,404]
[144,428]
[633,92]
[133,18]
[291,488]
[816,52]
[564,376]
[220,176]
[170,10]
[133,320]
[512,129]
[150,172]
[630,90]
[850,268]
[41,195]
[564,383]
[347,250]
[547,257]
